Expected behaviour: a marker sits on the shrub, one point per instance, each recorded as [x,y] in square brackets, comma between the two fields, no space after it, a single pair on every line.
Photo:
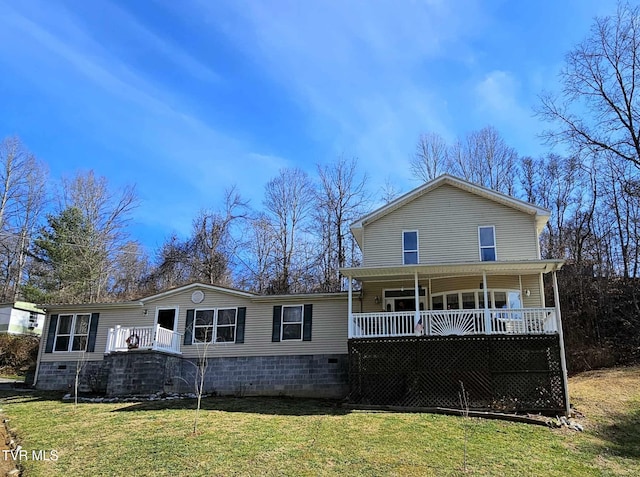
[18,354]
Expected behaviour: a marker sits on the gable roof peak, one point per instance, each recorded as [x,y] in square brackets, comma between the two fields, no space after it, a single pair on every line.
[448,179]
[197,285]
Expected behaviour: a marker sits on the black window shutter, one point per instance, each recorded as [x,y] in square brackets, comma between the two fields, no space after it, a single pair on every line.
[306,322]
[188,328]
[277,315]
[93,330]
[51,335]
[242,311]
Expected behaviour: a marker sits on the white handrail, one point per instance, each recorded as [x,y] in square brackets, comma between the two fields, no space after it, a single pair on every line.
[521,321]
[154,338]
[383,324]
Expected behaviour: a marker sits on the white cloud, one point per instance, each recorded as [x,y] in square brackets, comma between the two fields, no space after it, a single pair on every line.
[361,73]
[181,162]
[497,93]
[502,101]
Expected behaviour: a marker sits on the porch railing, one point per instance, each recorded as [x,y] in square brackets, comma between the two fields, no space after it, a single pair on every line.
[522,321]
[154,338]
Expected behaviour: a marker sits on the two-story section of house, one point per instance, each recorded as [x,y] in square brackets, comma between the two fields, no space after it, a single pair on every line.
[452,295]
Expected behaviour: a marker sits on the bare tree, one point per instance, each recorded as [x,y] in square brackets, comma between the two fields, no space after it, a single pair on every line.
[201,367]
[77,251]
[130,272]
[172,267]
[598,109]
[559,189]
[288,201]
[341,198]
[81,364]
[431,158]
[212,247]
[22,199]
[388,191]
[209,253]
[258,259]
[620,203]
[484,158]
[108,215]
[529,179]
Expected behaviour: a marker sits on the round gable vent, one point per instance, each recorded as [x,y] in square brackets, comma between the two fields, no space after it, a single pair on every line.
[197,296]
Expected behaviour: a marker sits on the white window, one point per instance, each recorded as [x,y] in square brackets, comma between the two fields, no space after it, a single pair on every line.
[226,325]
[291,324]
[487,240]
[33,320]
[470,299]
[410,247]
[219,322]
[404,299]
[72,333]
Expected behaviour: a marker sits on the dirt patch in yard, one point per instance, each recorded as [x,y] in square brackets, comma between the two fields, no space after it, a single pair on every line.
[7,465]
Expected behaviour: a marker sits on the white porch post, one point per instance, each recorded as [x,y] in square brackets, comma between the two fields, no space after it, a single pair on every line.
[487,316]
[110,340]
[416,318]
[156,332]
[521,292]
[563,359]
[350,305]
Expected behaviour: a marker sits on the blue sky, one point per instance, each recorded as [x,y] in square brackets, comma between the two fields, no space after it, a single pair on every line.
[186,98]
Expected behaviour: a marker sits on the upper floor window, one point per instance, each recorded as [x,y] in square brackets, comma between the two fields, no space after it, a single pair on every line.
[410,247]
[487,239]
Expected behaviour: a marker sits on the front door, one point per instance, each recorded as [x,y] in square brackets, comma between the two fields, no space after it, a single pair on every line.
[167,318]
[404,304]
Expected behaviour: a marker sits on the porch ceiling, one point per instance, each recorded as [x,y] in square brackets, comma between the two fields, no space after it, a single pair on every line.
[441,270]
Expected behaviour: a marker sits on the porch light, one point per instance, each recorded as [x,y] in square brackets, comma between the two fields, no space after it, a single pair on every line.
[377,300]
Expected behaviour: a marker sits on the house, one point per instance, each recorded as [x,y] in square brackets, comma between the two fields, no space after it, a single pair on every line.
[450,295]
[267,345]
[21,318]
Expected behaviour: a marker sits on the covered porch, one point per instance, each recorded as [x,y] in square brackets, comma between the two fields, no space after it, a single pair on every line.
[417,331]
[479,298]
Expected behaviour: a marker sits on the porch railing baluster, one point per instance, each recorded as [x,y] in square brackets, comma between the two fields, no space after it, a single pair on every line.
[146,337]
[522,321]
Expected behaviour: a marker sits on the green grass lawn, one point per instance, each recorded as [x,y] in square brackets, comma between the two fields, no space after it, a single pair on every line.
[253,436]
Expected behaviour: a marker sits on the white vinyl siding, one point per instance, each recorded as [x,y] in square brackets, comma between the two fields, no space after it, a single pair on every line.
[329,324]
[447,221]
[109,318]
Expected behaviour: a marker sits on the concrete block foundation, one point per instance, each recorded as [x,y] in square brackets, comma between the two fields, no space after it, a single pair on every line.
[147,372]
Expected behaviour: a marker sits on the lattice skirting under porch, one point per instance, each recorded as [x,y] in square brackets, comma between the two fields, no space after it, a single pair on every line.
[499,372]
